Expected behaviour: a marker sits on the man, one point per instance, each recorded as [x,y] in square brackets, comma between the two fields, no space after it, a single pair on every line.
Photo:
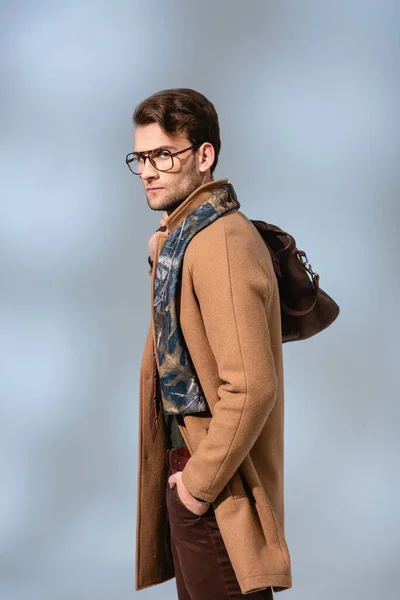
[210,475]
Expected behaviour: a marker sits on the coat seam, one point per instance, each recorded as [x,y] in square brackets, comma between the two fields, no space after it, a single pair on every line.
[262,575]
[241,357]
[277,531]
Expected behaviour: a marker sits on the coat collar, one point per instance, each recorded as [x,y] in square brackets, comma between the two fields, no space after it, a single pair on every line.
[199,196]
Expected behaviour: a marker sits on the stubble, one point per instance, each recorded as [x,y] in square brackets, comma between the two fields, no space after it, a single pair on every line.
[179,193]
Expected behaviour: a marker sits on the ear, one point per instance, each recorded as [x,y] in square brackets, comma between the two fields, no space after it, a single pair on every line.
[206,157]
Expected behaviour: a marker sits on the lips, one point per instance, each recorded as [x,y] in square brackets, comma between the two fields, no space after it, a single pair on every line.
[153,189]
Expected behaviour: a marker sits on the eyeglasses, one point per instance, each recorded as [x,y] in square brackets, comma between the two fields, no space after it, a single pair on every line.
[161,159]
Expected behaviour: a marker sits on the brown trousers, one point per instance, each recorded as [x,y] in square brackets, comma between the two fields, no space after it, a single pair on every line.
[202,567]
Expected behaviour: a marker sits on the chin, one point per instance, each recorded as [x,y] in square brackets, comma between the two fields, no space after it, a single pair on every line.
[155,204]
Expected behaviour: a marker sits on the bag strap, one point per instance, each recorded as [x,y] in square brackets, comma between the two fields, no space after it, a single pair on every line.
[302,256]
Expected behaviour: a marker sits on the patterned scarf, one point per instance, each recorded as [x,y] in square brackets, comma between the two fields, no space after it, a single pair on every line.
[180,388]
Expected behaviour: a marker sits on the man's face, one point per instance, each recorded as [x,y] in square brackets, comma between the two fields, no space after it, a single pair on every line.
[167,190]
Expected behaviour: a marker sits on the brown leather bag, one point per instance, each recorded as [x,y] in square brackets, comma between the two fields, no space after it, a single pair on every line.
[305,308]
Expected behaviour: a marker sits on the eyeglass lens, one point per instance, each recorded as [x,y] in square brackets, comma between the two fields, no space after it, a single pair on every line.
[160,159]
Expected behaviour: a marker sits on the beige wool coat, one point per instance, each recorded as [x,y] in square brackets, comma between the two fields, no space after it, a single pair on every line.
[230,319]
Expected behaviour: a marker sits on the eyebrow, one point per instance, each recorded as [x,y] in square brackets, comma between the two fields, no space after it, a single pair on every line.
[159,148]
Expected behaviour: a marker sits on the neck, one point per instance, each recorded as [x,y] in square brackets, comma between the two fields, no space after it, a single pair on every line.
[207,179]
[200,195]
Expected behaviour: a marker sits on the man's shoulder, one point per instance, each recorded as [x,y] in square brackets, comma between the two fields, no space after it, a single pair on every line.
[229,225]
[232,232]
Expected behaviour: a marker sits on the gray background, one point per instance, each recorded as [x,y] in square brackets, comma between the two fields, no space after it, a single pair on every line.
[307,94]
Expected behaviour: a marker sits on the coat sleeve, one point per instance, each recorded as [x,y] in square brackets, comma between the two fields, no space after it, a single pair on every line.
[232,282]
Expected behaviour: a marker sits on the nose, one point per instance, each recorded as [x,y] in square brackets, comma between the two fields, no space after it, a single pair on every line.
[149,172]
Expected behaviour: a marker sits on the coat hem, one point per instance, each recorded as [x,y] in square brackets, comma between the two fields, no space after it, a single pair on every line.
[277,581]
[153,583]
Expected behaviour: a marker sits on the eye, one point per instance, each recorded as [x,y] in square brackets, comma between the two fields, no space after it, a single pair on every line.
[163,154]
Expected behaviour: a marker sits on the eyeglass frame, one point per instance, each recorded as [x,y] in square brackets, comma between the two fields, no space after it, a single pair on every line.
[172,155]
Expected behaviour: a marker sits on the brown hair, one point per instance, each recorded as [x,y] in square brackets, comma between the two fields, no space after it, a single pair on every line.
[182,110]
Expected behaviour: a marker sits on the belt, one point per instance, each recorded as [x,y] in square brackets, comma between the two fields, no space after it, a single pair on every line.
[176,458]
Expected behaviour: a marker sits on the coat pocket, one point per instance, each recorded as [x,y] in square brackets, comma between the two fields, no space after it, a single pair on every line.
[236,486]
